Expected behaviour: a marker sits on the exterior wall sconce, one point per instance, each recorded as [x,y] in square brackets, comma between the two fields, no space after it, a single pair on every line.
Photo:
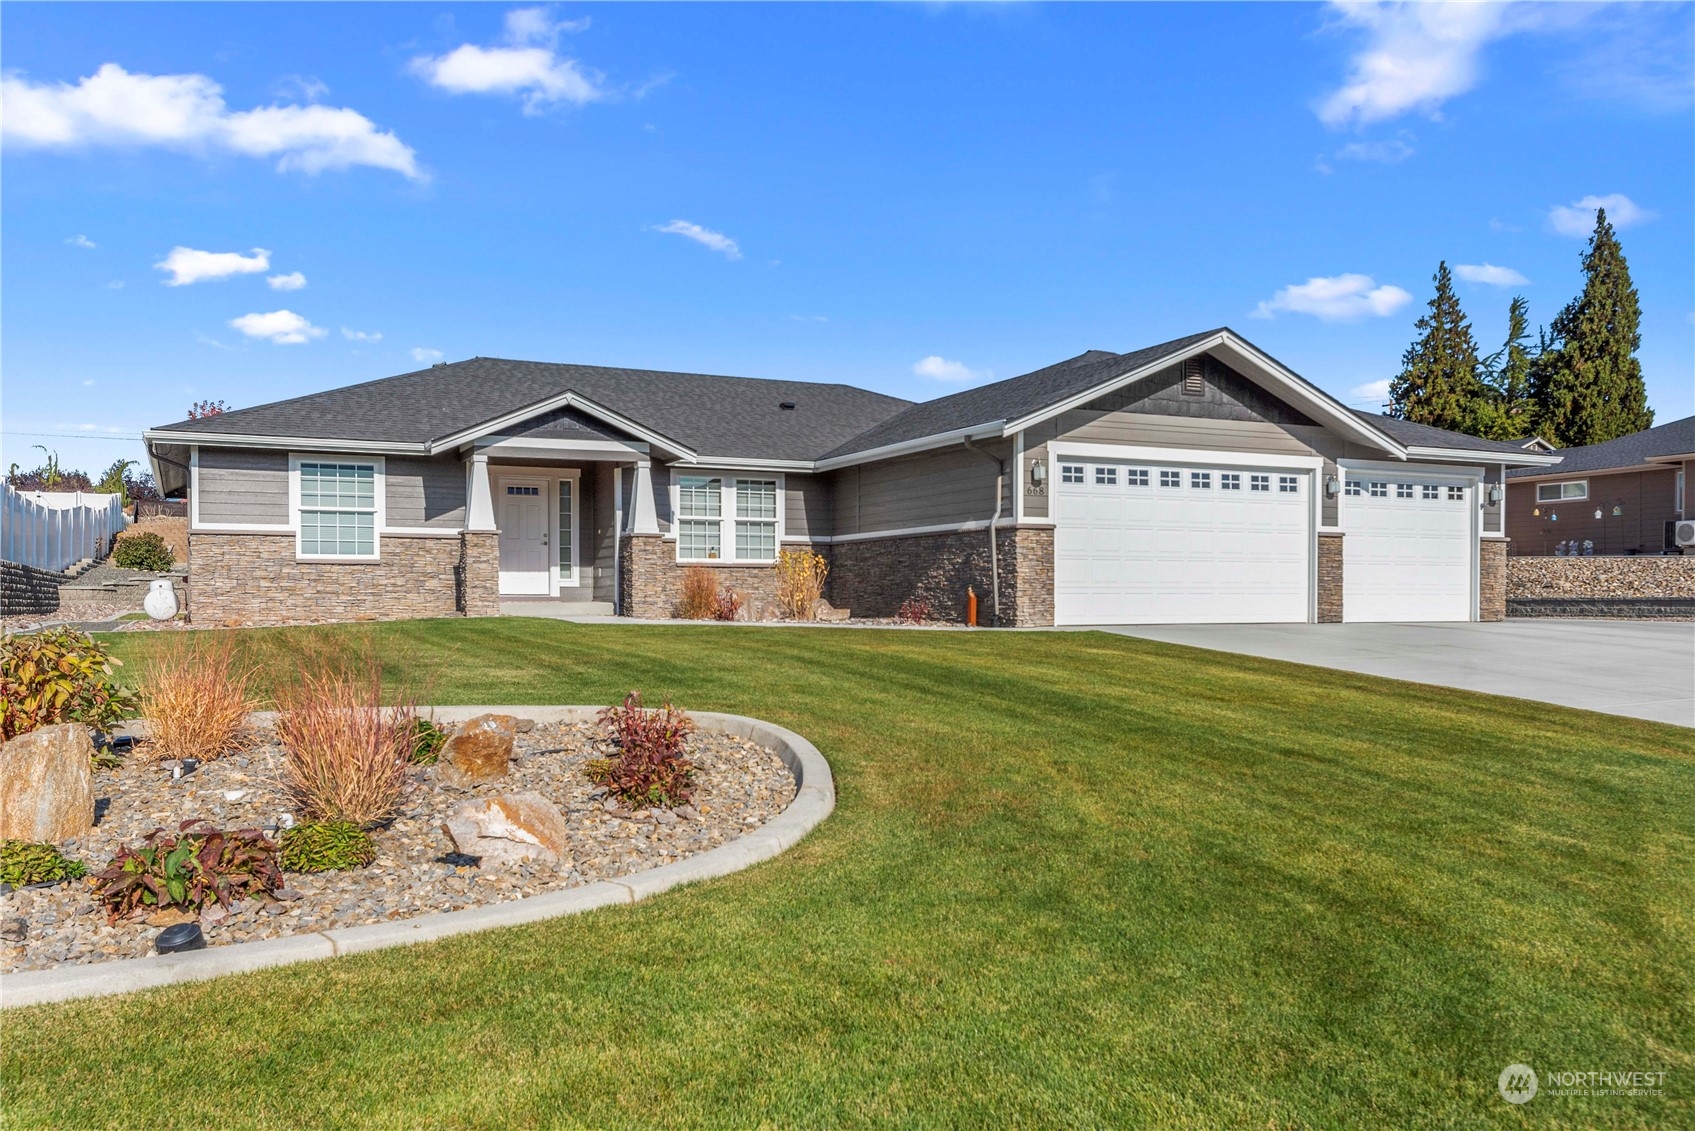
[1495,494]
[1038,472]
[1332,486]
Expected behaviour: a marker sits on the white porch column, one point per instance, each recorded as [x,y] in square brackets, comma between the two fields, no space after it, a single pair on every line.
[643,518]
[479,509]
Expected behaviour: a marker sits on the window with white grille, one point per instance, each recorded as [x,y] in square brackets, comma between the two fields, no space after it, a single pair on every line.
[1379,490]
[338,510]
[1229,481]
[1403,490]
[1071,473]
[1135,477]
[1259,482]
[1106,477]
[1171,479]
[1200,480]
[1288,484]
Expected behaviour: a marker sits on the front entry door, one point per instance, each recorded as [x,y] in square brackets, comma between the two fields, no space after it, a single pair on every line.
[525,565]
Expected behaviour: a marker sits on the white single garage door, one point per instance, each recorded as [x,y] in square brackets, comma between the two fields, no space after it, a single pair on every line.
[1408,551]
[1146,543]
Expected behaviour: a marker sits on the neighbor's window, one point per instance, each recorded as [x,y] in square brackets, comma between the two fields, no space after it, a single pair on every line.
[1554,492]
[338,509]
[700,527]
[756,520]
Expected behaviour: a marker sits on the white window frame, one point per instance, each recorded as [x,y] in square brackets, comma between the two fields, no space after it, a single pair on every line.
[728,514]
[562,579]
[379,511]
[1680,513]
[1559,491]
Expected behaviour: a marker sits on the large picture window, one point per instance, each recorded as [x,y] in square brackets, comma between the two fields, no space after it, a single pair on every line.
[706,504]
[338,509]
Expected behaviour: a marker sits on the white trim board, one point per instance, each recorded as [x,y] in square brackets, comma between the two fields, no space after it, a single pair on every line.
[1065,449]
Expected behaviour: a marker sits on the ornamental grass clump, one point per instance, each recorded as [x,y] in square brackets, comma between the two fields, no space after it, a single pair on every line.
[800,583]
[196,698]
[699,597]
[200,865]
[650,770]
[325,846]
[56,676]
[23,863]
[344,753]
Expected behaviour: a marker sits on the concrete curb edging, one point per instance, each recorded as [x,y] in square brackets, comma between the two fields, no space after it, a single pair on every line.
[815,797]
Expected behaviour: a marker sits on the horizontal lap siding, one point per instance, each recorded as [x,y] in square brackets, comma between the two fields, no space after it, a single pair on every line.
[1648,499]
[940,488]
[806,506]
[425,492]
[243,488]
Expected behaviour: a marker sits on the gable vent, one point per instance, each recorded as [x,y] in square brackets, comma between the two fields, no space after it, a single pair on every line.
[1193,384]
[787,406]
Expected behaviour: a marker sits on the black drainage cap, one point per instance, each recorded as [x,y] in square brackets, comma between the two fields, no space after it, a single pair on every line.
[183,936]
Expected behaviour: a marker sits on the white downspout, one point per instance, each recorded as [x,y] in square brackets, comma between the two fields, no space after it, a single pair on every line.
[994,523]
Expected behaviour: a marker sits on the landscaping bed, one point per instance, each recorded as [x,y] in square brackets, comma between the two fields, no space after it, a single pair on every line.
[737,786]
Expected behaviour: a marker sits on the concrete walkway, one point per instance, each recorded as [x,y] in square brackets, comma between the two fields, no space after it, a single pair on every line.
[1645,669]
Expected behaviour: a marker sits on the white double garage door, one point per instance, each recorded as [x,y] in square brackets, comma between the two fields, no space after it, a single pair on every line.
[1140,541]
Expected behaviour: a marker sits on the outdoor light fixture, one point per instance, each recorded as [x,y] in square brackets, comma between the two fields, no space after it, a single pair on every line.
[1038,472]
[1332,486]
[1495,493]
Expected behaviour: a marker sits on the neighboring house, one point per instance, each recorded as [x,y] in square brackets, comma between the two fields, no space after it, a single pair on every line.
[1198,480]
[1624,496]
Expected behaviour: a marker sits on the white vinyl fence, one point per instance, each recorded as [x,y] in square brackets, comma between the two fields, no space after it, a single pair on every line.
[56,529]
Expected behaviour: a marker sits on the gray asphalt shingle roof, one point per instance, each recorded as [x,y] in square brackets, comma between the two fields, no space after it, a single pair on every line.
[1425,436]
[1673,439]
[711,415]
[1012,398]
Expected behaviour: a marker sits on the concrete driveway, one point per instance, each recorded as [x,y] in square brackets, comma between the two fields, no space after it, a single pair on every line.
[1641,668]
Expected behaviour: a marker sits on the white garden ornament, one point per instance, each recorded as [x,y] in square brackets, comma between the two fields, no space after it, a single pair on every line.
[161,600]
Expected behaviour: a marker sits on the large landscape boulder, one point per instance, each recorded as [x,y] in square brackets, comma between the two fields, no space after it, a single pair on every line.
[481,750]
[47,785]
[508,829]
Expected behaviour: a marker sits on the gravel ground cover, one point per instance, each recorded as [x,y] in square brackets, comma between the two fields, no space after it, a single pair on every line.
[738,786]
[92,613]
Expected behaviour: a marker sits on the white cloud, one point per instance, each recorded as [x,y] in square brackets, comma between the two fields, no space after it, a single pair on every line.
[420,354]
[1390,152]
[307,88]
[1578,218]
[1374,392]
[1416,56]
[115,285]
[361,335]
[939,368]
[528,64]
[282,327]
[83,242]
[186,265]
[1337,298]
[1489,275]
[717,241]
[113,107]
[293,281]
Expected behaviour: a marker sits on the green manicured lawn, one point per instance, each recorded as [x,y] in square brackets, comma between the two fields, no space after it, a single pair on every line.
[1072,880]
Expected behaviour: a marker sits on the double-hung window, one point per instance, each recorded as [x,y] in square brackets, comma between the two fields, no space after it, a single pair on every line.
[338,509]
[700,518]
[707,504]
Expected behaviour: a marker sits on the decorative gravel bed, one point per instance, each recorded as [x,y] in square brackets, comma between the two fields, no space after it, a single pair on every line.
[738,786]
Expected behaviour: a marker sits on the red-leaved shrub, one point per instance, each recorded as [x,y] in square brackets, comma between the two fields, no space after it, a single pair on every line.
[650,769]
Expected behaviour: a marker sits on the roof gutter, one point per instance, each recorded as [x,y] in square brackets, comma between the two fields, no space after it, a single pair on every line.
[1508,459]
[993,430]
[303,443]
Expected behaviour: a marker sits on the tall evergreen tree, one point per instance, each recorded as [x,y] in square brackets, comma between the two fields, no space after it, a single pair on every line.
[1587,387]
[1438,383]
[1506,379]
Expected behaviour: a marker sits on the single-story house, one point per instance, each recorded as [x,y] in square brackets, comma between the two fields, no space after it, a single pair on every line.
[1196,480]
[1621,497]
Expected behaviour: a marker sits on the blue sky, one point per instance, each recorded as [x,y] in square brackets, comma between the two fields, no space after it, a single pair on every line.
[252,201]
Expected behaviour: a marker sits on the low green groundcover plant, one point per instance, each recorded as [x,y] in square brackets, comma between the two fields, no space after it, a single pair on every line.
[198,866]
[59,675]
[24,863]
[325,846]
[143,550]
[427,741]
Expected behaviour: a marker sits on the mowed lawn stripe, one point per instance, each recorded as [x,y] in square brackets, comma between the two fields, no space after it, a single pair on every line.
[1072,880]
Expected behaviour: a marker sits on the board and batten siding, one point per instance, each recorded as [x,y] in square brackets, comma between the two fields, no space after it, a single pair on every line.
[426,493]
[944,487]
[238,487]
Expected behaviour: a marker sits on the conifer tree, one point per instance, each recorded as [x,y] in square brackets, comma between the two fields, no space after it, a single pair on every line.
[1438,383]
[1506,379]
[1587,387]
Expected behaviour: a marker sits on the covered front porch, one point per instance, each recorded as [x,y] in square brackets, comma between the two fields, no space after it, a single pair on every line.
[558,510]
